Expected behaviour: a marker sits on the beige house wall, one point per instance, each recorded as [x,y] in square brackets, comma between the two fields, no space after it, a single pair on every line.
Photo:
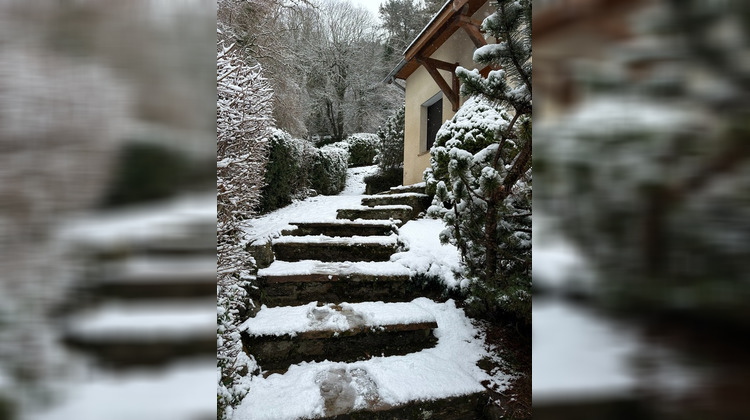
[420,88]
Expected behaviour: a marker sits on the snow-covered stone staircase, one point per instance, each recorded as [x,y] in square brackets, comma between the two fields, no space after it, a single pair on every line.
[339,321]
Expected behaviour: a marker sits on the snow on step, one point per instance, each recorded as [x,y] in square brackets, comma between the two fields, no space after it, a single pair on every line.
[447,370]
[153,278]
[418,188]
[280,337]
[146,321]
[390,240]
[293,320]
[334,270]
[341,227]
[124,336]
[398,195]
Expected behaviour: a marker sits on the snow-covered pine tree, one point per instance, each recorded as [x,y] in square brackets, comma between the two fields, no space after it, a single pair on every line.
[481,168]
[243,116]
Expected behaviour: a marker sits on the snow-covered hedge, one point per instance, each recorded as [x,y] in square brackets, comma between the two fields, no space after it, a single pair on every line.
[362,148]
[328,175]
[289,163]
[295,166]
[243,116]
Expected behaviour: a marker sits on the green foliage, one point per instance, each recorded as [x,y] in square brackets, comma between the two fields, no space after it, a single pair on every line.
[390,154]
[362,148]
[328,175]
[289,162]
[384,180]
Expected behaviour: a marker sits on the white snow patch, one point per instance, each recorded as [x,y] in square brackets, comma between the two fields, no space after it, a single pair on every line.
[355,179]
[446,370]
[184,391]
[306,267]
[391,240]
[145,224]
[148,269]
[557,264]
[577,353]
[425,254]
[292,320]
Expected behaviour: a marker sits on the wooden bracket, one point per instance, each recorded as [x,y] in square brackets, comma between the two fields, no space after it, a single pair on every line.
[471,27]
[432,66]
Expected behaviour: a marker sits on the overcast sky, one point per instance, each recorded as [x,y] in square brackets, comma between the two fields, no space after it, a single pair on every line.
[371,5]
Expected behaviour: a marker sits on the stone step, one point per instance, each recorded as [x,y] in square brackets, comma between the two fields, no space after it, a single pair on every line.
[158,278]
[418,202]
[282,336]
[143,334]
[332,249]
[396,212]
[344,227]
[419,188]
[295,283]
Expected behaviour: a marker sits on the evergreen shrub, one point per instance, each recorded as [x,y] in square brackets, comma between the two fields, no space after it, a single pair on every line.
[328,175]
[362,148]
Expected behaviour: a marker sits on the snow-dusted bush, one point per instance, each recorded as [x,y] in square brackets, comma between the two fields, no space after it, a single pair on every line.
[391,143]
[289,163]
[243,115]
[481,169]
[328,175]
[362,148]
[295,166]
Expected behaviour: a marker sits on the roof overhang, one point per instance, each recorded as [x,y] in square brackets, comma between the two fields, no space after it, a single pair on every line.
[454,15]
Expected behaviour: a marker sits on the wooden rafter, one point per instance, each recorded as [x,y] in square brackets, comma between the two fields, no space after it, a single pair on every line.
[471,27]
[430,64]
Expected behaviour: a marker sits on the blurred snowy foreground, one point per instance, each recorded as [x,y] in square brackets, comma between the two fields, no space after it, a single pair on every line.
[135,337]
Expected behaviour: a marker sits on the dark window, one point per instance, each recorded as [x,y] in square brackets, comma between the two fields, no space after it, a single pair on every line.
[434,121]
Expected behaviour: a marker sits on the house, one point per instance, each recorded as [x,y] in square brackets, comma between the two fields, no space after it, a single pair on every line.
[428,68]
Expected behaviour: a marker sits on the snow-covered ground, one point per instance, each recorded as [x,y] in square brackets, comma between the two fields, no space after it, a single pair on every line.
[577,352]
[182,391]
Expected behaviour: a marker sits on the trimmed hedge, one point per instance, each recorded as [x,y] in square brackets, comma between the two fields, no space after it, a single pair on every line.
[295,166]
[328,175]
[362,148]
